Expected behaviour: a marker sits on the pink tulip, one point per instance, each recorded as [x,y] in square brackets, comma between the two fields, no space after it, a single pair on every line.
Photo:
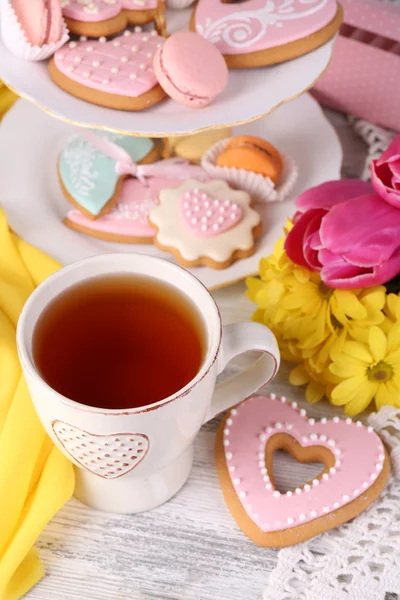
[344,230]
[385,174]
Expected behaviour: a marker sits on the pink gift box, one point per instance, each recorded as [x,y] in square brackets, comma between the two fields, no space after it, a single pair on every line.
[363,78]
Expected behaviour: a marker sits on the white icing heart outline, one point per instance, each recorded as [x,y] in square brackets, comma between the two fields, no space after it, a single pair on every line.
[139,439]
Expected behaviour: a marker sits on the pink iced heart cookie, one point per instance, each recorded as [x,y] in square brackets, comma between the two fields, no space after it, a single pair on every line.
[127,222]
[109,456]
[204,215]
[356,470]
[95,18]
[118,74]
[256,33]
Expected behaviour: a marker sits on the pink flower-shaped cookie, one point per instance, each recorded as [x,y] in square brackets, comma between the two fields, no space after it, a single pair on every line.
[356,470]
[95,18]
[205,224]
[118,74]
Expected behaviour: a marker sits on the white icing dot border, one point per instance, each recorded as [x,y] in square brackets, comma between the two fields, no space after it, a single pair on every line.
[320,438]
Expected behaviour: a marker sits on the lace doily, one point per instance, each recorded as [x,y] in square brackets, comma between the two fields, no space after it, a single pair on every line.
[377,139]
[359,560]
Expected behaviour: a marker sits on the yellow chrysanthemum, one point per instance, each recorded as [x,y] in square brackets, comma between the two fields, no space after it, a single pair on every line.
[368,371]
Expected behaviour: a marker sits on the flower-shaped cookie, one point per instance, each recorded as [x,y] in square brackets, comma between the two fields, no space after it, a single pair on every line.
[205,224]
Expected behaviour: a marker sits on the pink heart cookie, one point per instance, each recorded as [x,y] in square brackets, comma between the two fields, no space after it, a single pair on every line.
[127,222]
[204,215]
[356,470]
[117,74]
[257,33]
[95,18]
[108,456]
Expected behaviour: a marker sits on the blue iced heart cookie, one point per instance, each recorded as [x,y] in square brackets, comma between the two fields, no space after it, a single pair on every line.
[88,177]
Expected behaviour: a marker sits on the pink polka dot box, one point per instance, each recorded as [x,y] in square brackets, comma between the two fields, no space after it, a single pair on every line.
[362,78]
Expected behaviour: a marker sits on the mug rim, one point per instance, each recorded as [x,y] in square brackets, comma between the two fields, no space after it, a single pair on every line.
[28,363]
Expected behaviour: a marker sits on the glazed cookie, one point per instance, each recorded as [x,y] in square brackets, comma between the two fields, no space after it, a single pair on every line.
[257,33]
[356,470]
[117,74]
[89,178]
[95,18]
[205,224]
[127,222]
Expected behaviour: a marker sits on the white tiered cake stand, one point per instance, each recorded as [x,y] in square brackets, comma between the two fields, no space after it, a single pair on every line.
[250,94]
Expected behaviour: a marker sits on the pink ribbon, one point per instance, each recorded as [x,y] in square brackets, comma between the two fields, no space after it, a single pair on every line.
[176,168]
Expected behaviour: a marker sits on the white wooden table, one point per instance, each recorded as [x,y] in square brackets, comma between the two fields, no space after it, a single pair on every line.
[190,548]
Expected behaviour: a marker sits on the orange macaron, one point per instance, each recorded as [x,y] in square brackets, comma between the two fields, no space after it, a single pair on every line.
[252,154]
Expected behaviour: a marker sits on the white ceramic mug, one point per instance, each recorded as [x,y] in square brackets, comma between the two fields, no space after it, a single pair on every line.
[136,459]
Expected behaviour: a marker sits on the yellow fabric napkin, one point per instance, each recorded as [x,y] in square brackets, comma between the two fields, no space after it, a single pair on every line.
[35,478]
[7,99]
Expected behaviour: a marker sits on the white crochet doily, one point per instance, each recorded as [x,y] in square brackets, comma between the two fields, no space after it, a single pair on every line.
[359,560]
[376,138]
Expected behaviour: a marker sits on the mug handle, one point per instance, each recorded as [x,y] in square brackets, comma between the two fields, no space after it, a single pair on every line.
[236,339]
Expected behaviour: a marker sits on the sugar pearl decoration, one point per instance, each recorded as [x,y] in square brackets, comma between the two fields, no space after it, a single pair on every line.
[323,420]
[325,509]
[237,480]
[229,455]
[369,429]
[289,494]
[302,517]
[313,437]
[290,521]
[311,421]
[232,468]
[272,396]
[96,63]
[242,494]
[349,421]
[233,412]
[325,476]
[294,404]
[226,442]
[314,513]
[138,29]
[307,487]
[229,421]
[102,39]
[302,412]
[315,482]
[277,494]
[336,505]
[124,59]
[283,399]
[297,491]
[72,45]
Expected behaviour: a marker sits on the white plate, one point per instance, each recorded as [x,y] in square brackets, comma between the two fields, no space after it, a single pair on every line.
[30,142]
[251,93]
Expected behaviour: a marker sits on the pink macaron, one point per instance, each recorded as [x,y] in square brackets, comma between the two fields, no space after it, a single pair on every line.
[190,69]
[40,20]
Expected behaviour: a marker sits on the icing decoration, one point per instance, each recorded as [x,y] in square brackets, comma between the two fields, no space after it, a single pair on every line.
[109,456]
[206,216]
[89,175]
[129,217]
[100,10]
[172,232]
[240,28]
[357,452]
[122,66]
[124,165]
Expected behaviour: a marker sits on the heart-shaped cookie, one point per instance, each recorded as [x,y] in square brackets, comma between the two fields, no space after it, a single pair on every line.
[89,178]
[109,456]
[356,470]
[256,33]
[95,18]
[118,74]
[204,215]
[127,221]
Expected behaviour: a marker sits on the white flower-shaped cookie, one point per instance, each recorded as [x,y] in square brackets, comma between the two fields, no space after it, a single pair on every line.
[205,223]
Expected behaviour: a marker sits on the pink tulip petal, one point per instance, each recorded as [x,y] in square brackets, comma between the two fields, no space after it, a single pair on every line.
[294,243]
[330,193]
[364,230]
[377,276]
[392,153]
[395,168]
[383,169]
